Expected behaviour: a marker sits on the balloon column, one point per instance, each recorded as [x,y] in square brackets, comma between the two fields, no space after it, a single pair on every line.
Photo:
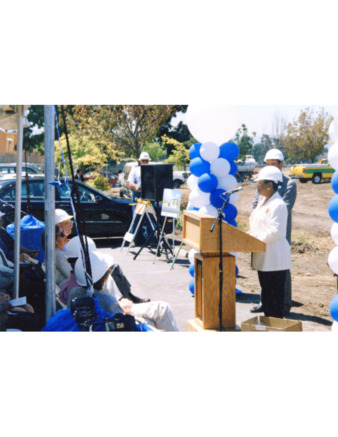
[333,212]
[212,164]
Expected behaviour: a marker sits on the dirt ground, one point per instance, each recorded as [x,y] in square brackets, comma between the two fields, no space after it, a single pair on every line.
[313,283]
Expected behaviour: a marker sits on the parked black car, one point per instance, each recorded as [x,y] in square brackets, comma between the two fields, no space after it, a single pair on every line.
[105,216]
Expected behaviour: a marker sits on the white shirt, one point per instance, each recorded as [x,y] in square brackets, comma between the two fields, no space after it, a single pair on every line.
[135,176]
[268,224]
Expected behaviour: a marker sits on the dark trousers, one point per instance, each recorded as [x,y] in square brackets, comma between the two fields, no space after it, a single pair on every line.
[273,288]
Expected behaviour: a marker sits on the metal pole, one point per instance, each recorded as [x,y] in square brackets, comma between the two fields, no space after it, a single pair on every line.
[49,211]
[17,216]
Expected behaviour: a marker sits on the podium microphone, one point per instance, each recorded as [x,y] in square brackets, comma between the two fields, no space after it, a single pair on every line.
[235,190]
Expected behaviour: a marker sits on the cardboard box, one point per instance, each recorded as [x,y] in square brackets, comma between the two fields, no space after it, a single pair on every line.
[262,323]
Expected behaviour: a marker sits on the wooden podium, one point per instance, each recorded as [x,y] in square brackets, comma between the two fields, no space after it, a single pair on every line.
[196,234]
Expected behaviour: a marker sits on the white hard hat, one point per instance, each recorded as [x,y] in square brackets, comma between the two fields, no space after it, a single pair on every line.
[270,173]
[61,216]
[274,154]
[73,247]
[99,262]
[144,155]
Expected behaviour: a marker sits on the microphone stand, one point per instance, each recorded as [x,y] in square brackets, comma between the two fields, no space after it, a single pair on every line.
[219,219]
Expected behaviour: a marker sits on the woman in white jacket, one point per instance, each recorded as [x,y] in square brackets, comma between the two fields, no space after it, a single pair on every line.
[268,223]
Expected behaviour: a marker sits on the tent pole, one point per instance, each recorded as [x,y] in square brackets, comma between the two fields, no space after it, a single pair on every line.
[17,216]
[49,210]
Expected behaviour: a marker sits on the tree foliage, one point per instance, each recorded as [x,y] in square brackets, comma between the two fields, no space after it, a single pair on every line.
[156,151]
[244,141]
[306,137]
[180,153]
[127,127]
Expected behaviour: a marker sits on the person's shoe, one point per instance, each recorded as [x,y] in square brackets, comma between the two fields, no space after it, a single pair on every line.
[257,309]
[136,299]
[140,300]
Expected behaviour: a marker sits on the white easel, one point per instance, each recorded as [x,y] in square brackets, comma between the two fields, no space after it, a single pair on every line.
[142,208]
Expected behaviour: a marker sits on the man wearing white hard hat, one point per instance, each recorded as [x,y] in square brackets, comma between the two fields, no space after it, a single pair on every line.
[288,192]
[156,314]
[134,182]
[268,223]
[117,282]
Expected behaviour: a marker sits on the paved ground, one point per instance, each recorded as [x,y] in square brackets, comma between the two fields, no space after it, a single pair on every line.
[153,277]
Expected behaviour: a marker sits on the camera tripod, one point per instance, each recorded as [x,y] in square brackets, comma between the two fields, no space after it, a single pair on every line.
[157,232]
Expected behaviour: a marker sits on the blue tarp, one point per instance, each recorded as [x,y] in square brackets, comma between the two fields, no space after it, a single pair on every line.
[30,235]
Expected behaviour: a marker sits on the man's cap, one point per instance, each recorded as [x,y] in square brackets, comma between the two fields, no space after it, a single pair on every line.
[144,155]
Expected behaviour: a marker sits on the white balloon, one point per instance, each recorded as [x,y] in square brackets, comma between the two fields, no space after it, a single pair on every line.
[332,156]
[334,233]
[220,167]
[227,183]
[210,210]
[216,123]
[334,326]
[209,151]
[333,260]
[333,130]
[191,255]
[198,198]
[192,182]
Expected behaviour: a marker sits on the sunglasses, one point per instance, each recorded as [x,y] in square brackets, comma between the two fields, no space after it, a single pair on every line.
[61,234]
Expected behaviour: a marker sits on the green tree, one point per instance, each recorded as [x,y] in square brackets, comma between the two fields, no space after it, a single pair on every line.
[244,141]
[306,137]
[259,149]
[180,153]
[156,151]
[127,127]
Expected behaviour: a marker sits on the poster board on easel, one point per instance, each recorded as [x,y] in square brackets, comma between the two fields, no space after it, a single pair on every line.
[171,203]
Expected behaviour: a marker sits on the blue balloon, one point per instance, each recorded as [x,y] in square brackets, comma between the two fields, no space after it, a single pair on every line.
[229,151]
[232,223]
[207,182]
[334,182]
[192,286]
[194,151]
[236,271]
[238,291]
[230,212]
[198,166]
[192,208]
[233,168]
[192,270]
[334,308]
[215,198]
[333,208]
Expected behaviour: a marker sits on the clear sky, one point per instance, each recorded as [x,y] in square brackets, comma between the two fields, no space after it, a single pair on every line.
[262,118]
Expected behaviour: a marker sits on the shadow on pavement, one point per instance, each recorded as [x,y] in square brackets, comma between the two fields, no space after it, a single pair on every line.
[307,318]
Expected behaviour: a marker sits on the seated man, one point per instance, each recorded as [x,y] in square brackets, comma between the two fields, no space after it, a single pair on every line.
[72,252]
[156,314]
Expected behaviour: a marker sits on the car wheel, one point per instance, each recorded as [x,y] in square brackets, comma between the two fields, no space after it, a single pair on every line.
[303,181]
[316,178]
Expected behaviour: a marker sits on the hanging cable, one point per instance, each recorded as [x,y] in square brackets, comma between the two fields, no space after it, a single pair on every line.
[75,204]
